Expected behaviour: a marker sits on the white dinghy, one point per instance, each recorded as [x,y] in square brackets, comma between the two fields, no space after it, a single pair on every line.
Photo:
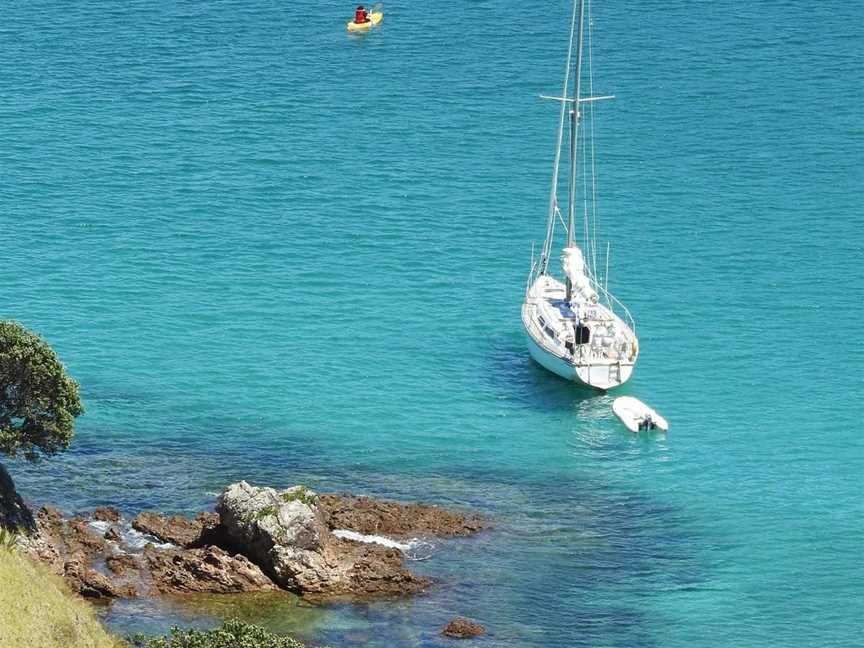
[636,415]
[576,328]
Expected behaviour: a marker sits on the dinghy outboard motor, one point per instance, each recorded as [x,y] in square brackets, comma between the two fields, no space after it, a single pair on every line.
[647,423]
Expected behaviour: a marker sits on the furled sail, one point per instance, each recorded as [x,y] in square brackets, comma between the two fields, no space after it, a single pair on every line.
[573,264]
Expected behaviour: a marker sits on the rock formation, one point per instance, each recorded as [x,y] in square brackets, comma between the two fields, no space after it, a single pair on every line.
[177,530]
[285,532]
[381,517]
[258,539]
[106,514]
[74,548]
[210,569]
[91,584]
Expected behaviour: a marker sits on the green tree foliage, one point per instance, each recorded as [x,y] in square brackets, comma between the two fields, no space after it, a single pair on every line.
[38,400]
[232,634]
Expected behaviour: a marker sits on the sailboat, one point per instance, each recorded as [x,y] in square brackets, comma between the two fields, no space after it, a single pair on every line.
[576,328]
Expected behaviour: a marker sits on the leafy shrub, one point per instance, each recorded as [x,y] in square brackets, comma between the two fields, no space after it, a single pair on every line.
[232,634]
[38,401]
[300,494]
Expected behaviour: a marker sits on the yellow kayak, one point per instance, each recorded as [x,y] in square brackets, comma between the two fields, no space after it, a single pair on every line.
[375,19]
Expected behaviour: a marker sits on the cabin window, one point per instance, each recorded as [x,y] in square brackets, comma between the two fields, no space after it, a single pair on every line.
[550,332]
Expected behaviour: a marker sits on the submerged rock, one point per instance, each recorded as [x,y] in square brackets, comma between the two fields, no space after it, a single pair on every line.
[286,534]
[460,628]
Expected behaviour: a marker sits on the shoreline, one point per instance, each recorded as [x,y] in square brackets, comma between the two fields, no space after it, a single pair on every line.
[327,548]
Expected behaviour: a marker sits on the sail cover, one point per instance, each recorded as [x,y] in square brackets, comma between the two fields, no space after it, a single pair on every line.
[573,264]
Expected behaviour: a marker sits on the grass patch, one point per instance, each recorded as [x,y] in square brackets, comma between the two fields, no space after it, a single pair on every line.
[36,609]
[300,494]
[8,540]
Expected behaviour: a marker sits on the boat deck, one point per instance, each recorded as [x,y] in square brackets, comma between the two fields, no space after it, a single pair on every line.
[554,324]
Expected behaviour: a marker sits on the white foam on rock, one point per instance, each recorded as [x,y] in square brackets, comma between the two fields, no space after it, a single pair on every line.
[347,534]
[132,538]
[100,526]
[414,549]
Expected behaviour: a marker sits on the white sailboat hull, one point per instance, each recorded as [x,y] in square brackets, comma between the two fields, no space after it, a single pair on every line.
[593,376]
[594,364]
[550,361]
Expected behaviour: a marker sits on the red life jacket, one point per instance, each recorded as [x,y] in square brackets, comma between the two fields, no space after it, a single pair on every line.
[360,16]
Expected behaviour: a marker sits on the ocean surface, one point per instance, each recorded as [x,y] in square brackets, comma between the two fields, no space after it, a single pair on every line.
[270,250]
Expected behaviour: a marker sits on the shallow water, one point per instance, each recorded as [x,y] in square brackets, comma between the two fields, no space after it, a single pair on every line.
[269,250]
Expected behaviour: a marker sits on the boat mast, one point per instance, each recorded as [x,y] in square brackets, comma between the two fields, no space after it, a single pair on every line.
[553,194]
[574,141]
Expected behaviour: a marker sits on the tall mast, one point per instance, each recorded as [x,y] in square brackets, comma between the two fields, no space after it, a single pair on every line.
[574,129]
[574,141]
[553,193]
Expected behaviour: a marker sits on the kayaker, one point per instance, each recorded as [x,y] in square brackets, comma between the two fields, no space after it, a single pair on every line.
[361,15]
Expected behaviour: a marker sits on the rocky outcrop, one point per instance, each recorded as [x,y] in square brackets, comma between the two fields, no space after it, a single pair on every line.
[285,532]
[460,628]
[69,537]
[176,530]
[106,514]
[259,539]
[381,517]
[58,540]
[210,569]
[77,551]
[123,564]
[91,584]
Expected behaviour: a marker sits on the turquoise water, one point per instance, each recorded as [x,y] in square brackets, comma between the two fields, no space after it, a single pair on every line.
[270,250]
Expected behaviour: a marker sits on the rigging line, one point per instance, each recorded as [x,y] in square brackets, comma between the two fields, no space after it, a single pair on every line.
[560,217]
[553,195]
[585,227]
[593,157]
